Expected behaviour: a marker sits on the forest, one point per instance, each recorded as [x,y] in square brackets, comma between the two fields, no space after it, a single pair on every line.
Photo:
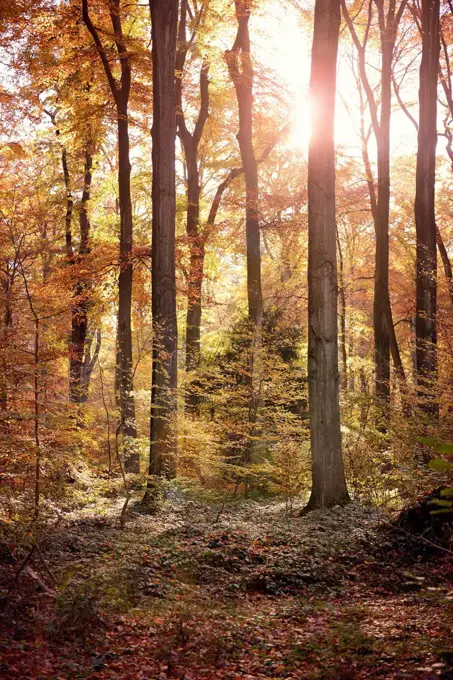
[226,339]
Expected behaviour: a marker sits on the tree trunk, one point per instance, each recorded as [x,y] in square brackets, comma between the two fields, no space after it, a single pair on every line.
[79,311]
[163,449]
[190,143]
[381,225]
[125,380]
[388,23]
[426,267]
[381,306]
[7,325]
[89,362]
[241,73]
[196,265]
[342,295]
[446,262]
[328,480]
[120,92]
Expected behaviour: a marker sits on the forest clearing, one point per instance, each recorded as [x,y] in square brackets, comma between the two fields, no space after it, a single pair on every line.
[226,322]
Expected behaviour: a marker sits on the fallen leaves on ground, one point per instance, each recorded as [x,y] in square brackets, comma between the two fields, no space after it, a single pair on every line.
[335,594]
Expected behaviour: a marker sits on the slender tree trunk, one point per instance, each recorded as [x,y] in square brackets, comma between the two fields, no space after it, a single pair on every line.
[196,267]
[388,21]
[328,480]
[125,381]
[79,312]
[426,267]
[163,449]
[241,73]
[190,142]
[381,304]
[445,262]
[381,224]
[89,363]
[342,296]
[7,325]
[120,92]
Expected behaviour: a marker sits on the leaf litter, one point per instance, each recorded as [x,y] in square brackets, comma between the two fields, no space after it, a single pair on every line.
[253,593]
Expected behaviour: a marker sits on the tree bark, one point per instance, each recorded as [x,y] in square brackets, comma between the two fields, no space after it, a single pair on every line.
[79,310]
[384,337]
[120,93]
[328,480]
[445,262]
[241,73]
[125,380]
[163,448]
[381,306]
[425,223]
[190,143]
[342,295]
[7,283]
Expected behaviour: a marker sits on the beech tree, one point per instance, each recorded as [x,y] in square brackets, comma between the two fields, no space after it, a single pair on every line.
[240,68]
[328,480]
[380,111]
[425,219]
[196,235]
[241,72]
[120,93]
[163,443]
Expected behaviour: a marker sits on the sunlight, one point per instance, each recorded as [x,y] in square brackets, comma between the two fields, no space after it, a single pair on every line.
[301,126]
[291,60]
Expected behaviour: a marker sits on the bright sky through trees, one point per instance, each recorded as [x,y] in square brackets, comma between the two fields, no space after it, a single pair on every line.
[283,43]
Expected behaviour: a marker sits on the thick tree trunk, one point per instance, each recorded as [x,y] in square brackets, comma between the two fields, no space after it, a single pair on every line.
[163,449]
[328,480]
[426,267]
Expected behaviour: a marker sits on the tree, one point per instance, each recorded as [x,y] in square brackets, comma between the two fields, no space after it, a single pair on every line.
[425,220]
[163,445]
[240,69]
[190,143]
[328,480]
[120,92]
[241,73]
[81,364]
[388,22]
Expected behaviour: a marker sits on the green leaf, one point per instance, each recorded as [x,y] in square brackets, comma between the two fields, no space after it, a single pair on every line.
[443,504]
[428,441]
[447,492]
[445,447]
[440,465]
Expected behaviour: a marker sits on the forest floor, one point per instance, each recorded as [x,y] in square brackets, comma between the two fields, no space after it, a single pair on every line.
[249,594]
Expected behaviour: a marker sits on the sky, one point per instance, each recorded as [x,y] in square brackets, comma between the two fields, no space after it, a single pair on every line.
[282,43]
